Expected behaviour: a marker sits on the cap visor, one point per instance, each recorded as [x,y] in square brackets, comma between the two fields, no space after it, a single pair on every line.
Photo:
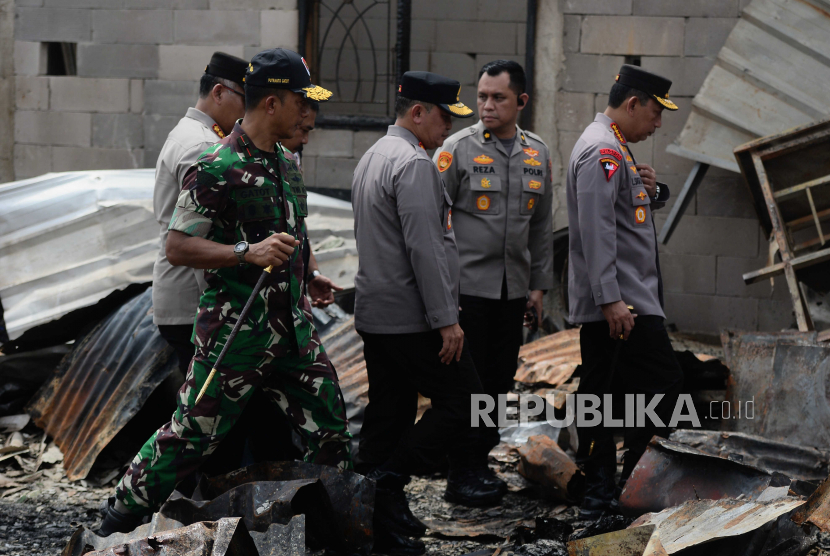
[666,103]
[315,92]
[459,110]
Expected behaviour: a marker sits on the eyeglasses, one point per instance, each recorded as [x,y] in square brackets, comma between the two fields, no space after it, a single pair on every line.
[234,91]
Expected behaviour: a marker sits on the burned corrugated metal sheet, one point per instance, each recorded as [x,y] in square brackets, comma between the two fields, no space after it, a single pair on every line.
[102,384]
[351,496]
[670,473]
[224,537]
[817,508]
[550,360]
[783,376]
[771,75]
[799,462]
[628,542]
[700,521]
[67,240]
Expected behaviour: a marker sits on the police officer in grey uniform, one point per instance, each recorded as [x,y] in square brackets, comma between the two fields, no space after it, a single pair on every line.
[499,179]
[176,289]
[614,283]
[406,310]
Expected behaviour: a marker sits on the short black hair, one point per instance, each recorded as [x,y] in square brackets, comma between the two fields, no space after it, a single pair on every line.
[206,84]
[254,95]
[518,81]
[403,104]
[621,93]
[314,105]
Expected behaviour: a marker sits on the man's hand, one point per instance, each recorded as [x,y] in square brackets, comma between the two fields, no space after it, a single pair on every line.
[620,319]
[321,290]
[453,343]
[535,300]
[649,177]
[273,250]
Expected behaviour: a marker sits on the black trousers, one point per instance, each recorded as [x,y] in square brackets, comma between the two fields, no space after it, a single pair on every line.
[178,336]
[493,331]
[644,364]
[400,366]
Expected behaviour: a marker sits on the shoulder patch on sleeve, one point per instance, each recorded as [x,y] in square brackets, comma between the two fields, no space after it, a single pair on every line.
[444,161]
[609,167]
[611,152]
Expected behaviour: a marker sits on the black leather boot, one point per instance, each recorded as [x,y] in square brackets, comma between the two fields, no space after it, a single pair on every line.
[392,511]
[392,544]
[466,487]
[117,522]
[489,477]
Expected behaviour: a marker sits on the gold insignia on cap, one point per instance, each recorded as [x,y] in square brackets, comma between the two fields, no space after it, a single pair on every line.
[250,68]
[669,105]
[459,109]
[458,95]
[317,93]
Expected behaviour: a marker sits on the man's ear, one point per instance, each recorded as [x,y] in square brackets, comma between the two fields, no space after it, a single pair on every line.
[631,104]
[271,104]
[417,112]
[216,93]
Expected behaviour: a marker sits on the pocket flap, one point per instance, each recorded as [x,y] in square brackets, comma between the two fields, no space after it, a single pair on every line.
[485,183]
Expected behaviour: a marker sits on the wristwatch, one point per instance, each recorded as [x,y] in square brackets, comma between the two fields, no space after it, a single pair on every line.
[239,250]
[314,274]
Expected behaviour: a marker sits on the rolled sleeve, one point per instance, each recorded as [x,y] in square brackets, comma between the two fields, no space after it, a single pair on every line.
[420,202]
[596,197]
[202,198]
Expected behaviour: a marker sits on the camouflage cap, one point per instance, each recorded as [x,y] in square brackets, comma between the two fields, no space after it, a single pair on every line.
[280,68]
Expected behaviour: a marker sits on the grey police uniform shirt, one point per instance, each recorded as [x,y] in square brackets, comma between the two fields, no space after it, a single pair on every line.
[176,289]
[613,244]
[407,275]
[502,213]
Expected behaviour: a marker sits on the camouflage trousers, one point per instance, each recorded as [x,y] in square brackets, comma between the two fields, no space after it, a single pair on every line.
[304,388]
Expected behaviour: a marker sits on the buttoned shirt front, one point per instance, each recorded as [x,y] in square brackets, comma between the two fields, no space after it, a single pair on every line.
[501,211]
[176,289]
[613,244]
[407,277]
[236,192]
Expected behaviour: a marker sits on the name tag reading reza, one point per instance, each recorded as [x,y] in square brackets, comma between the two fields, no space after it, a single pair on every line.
[484,170]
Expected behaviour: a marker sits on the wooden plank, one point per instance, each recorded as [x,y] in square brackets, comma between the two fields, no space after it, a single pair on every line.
[780,66]
[806,221]
[712,140]
[738,102]
[781,194]
[799,24]
[777,269]
[686,195]
[802,315]
[815,216]
[772,208]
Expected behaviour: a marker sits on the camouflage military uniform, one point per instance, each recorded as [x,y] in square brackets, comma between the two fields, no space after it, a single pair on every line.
[234,193]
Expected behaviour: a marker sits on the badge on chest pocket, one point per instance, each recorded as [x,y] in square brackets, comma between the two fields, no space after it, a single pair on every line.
[255,203]
[485,193]
[640,202]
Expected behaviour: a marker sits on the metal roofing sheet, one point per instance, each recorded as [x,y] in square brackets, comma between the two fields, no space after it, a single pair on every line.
[771,75]
[67,240]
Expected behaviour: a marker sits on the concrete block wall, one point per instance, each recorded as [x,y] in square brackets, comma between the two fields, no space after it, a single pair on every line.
[453,42]
[719,237]
[138,66]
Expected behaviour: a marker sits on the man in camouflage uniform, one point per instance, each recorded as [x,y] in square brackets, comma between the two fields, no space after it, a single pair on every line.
[236,215]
